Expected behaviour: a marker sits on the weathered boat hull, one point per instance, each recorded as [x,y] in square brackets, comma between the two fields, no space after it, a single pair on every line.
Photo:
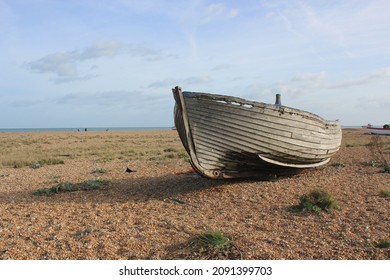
[228,137]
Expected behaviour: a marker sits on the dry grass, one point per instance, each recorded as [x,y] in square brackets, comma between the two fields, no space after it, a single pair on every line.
[26,149]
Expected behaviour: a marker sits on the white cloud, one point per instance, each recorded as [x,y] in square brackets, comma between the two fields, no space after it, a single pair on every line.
[66,65]
[100,49]
[60,63]
[218,12]
[378,75]
[303,83]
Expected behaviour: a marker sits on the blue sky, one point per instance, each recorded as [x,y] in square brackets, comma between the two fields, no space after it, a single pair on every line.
[95,63]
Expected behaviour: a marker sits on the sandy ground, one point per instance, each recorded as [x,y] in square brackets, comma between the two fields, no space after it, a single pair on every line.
[152,213]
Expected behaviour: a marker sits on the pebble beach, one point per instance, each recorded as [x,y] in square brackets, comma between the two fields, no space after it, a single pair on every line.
[153,209]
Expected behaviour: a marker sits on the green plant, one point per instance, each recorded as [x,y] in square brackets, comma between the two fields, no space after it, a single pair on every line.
[316,201]
[383,244]
[72,187]
[338,165]
[99,171]
[384,193]
[83,233]
[105,159]
[35,164]
[379,155]
[211,244]
[183,156]
[372,163]
[212,239]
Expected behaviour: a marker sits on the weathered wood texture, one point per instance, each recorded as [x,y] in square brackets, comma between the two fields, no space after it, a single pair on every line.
[229,135]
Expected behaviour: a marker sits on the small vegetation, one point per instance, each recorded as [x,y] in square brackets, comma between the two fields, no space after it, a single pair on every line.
[98,171]
[184,156]
[72,187]
[372,163]
[169,150]
[383,244]
[83,233]
[380,157]
[212,239]
[210,244]
[35,164]
[338,165]
[384,193]
[316,201]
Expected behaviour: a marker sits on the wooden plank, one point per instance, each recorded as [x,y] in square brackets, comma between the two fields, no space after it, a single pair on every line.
[257,136]
[268,132]
[223,138]
[274,121]
[288,115]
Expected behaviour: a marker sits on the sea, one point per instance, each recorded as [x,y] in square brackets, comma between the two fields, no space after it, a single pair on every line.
[94,129]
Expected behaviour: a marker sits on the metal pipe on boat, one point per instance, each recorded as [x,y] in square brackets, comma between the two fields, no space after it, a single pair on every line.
[278,101]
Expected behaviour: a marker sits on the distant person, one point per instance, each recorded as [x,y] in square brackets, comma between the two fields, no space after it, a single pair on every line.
[85,129]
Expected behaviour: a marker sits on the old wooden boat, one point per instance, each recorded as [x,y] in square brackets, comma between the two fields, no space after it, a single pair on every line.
[385,130]
[230,137]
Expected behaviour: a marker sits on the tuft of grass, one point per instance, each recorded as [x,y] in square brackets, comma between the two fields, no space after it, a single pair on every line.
[212,239]
[210,244]
[36,164]
[383,244]
[384,193]
[184,156]
[170,150]
[83,233]
[380,157]
[105,159]
[372,163]
[316,201]
[338,165]
[72,187]
[98,170]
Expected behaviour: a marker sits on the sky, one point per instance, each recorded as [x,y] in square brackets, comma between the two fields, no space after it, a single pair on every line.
[113,63]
